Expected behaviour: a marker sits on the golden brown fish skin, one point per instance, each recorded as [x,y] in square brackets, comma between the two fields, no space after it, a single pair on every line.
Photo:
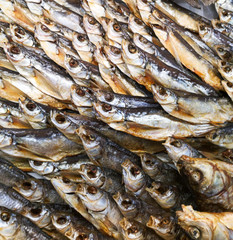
[210,179]
[212,110]
[172,40]
[195,41]
[19,13]
[205,225]
[222,137]
[146,69]
[226,70]
[148,123]
[182,16]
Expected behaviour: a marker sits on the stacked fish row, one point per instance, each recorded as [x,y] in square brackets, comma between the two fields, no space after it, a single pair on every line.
[95,99]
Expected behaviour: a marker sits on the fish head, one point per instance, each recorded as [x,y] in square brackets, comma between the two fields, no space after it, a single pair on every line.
[143,43]
[217,24]
[38,213]
[107,112]
[8,223]
[164,226]
[31,110]
[90,138]
[92,174]
[43,33]
[43,168]
[226,69]
[203,175]
[224,52]
[133,176]
[165,195]
[31,189]
[114,54]
[131,54]
[228,86]
[176,148]
[5,140]
[81,96]
[91,25]
[61,221]
[64,183]
[131,229]
[16,54]
[75,66]
[163,95]
[93,197]
[115,31]
[20,35]
[224,15]
[150,163]
[135,23]
[81,41]
[194,224]
[204,31]
[127,204]
[61,121]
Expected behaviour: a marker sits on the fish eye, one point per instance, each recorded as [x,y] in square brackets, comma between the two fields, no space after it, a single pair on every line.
[65,180]
[143,40]
[36,211]
[116,27]
[144,1]
[91,190]
[227,69]
[102,179]
[220,49]
[194,232]
[91,137]
[148,162]
[82,237]
[126,203]
[15,50]
[229,84]
[44,28]
[61,220]
[165,221]
[197,176]
[132,230]
[106,107]
[202,27]
[135,171]
[89,91]
[91,173]
[223,63]
[37,163]
[218,25]
[60,118]
[138,21]
[132,48]
[162,91]
[31,106]
[80,92]
[215,135]
[115,50]
[26,185]
[224,13]
[81,38]
[109,97]
[19,32]
[5,216]
[92,20]
[73,63]
[47,21]
[158,26]
[176,143]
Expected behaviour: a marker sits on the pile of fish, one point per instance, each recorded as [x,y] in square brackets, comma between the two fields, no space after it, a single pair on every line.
[116,120]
